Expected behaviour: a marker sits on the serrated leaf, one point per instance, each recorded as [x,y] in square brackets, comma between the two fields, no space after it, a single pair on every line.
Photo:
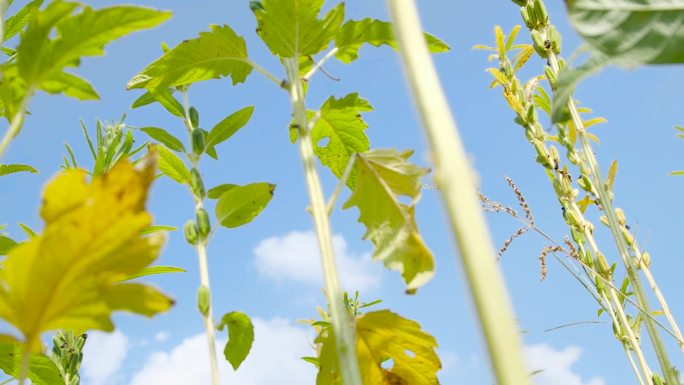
[632,32]
[155,270]
[70,85]
[68,277]
[339,133]
[173,166]
[216,192]
[241,204]
[12,168]
[223,130]
[41,371]
[240,337]
[384,176]
[164,137]
[354,33]
[14,24]
[382,336]
[293,29]
[218,53]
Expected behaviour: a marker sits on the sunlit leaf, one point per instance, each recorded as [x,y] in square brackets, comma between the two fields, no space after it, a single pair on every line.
[240,337]
[218,53]
[164,97]
[70,85]
[611,175]
[164,137]
[354,33]
[216,192]
[69,276]
[6,244]
[632,32]
[384,178]
[12,168]
[383,336]
[156,270]
[241,204]
[293,29]
[14,24]
[173,166]
[339,133]
[223,130]
[41,371]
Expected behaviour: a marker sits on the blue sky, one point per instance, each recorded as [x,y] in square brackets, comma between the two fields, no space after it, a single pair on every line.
[247,269]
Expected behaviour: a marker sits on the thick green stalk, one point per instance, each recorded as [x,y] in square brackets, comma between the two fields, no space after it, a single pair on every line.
[456,182]
[342,322]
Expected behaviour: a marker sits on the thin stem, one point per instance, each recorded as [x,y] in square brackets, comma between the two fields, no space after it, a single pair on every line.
[343,326]
[264,72]
[455,179]
[320,64]
[663,303]
[342,182]
[25,361]
[3,8]
[201,248]
[17,121]
[606,202]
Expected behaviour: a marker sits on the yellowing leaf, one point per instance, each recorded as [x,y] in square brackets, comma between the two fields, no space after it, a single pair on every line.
[69,276]
[383,177]
[382,336]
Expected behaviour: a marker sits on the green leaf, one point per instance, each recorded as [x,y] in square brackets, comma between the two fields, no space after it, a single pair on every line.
[173,166]
[70,85]
[96,230]
[6,244]
[12,168]
[632,32]
[216,192]
[223,130]
[355,33]
[339,133]
[241,204]
[163,96]
[29,231]
[212,55]
[42,371]
[14,24]
[240,337]
[155,270]
[383,177]
[164,137]
[293,29]
[382,336]
[157,229]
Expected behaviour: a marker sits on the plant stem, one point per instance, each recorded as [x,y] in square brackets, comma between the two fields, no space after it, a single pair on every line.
[17,121]
[342,182]
[320,64]
[201,248]
[455,179]
[264,72]
[25,361]
[342,322]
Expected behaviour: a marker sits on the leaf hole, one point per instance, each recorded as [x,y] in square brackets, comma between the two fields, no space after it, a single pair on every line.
[410,353]
[323,142]
[405,200]
[387,364]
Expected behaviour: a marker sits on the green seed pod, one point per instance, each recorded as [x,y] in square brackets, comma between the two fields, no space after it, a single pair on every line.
[604,220]
[541,148]
[629,238]
[584,183]
[197,141]
[80,341]
[573,157]
[555,156]
[196,183]
[194,117]
[537,39]
[75,379]
[73,364]
[562,64]
[556,40]
[191,232]
[532,15]
[602,267]
[521,122]
[203,300]
[526,17]
[203,223]
[551,77]
[540,12]
[620,216]
[520,2]
[574,219]
[646,259]
[579,239]
[531,115]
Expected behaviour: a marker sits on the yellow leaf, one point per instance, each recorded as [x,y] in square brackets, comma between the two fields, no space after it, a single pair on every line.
[69,276]
[591,122]
[500,77]
[522,57]
[500,45]
[513,102]
[611,175]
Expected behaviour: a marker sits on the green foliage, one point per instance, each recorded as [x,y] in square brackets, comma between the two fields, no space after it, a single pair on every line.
[164,137]
[156,270]
[340,122]
[212,55]
[6,244]
[382,336]
[173,166]
[384,176]
[216,192]
[293,29]
[91,241]
[240,337]
[241,204]
[164,96]
[42,371]
[6,169]
[354,33]
[67,354]
[224,129]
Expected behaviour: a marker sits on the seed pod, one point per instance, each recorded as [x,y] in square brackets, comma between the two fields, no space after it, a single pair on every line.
[541,148]
[520,2]
[584,183]
[646,259]
[203,223]
[573,157]
[532,15]
[555,156]
[80,341]
[526,17]
[629,238]
[537,39]
[604,220]
[203,300]
[190,230]
[551,76]
[540,12]
[196,183]
[556,39]
[531,115]
[574,219]
[256,6]
[602,267]
[620,216]
[75,379]
[529,132]
[197,141]
[194,117]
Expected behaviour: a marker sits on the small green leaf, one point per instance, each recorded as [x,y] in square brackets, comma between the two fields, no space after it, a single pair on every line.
[6,244]
[241,204]
[212,55]
[29,231]
[229,126]
[157,229]
[164,137]
[14,24]
[42,371]
[172,166]
[292,28]
[12,168]
[240,337]
[70,85]
[164,97]
[155,270]
[354,33]
[216,192]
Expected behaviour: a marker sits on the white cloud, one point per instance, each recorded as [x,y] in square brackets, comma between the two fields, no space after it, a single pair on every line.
[161,336]
[556,365]
[274,359]
[295,257]
[103,356]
